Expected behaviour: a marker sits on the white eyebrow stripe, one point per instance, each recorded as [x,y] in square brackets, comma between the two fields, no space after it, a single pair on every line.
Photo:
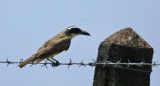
[72,27]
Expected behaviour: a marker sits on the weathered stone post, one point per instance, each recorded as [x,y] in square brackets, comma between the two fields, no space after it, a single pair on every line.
[126,45]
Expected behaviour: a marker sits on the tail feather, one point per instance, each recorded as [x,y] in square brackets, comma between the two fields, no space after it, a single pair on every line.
[26,61]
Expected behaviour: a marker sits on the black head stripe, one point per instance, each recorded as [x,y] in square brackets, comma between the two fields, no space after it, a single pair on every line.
[75,30]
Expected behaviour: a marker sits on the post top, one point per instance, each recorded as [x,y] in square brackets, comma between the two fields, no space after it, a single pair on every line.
[127,37]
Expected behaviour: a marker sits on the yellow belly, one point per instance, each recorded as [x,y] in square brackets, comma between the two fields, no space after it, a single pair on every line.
[53,55]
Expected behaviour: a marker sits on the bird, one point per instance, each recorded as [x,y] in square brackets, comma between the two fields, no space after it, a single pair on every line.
[54,46]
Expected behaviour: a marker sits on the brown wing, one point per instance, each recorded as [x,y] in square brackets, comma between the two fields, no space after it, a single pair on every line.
[49,48]
[56,47]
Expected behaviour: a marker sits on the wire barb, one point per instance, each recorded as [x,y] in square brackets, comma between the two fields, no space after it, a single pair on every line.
[70,63]
[82,64]
[8,62]
[45,64]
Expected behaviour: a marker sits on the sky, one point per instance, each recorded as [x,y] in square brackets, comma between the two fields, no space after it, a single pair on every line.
[26,24]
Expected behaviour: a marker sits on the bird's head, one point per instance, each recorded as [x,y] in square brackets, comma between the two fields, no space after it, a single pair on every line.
[73,31]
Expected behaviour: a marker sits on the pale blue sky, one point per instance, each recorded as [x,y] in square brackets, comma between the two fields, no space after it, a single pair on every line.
[26,24]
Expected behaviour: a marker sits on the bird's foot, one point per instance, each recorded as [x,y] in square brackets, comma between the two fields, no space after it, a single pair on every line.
[56,63]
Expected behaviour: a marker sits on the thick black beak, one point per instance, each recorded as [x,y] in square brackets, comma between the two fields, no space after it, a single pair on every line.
[84,33]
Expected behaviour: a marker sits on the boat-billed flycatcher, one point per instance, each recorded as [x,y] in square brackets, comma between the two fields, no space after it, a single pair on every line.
[54,46]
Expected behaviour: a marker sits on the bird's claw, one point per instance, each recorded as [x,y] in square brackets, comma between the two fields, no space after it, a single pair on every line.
[55,64]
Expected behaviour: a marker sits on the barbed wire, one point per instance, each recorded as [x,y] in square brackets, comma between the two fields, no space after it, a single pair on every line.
[118,64]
